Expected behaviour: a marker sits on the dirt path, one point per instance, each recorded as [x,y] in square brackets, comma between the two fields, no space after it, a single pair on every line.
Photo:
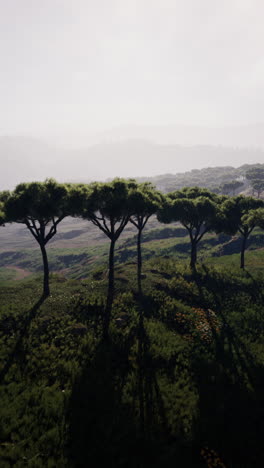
[20,272]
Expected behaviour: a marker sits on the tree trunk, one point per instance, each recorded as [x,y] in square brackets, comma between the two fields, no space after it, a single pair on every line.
[110,292]
[46,289]
[242,254]
[139,259]
[193,254]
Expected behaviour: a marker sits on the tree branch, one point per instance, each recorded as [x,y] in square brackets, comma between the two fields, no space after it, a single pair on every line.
[146,220]
[203,233]
[31,229]
[98,224]
[136,224]
[123,223]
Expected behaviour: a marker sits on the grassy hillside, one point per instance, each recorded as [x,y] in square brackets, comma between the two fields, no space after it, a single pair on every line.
[79,262]
[184,384]
[180,378]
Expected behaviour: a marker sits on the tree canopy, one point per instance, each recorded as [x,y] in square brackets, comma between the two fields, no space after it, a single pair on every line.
[255,176]
[238,216]
[2,214]
[230,187]
[254,218]
[236,211]
[3,198]
[40,206]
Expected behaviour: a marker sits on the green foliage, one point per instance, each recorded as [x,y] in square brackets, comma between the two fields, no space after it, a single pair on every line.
[3,199]
[198,210]
[254,218]
[255,176]
[235,211]
[229,188]
[2,215]
[180,360]
[68,399]
[256,172]
[111,200]
[41,206]
[146,201]
[238,216]
[37,201]
[193,207]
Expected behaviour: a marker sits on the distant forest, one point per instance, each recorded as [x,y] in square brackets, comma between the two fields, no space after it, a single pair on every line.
[214,178]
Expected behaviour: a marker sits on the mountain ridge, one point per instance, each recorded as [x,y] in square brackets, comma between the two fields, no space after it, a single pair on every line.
[133,158]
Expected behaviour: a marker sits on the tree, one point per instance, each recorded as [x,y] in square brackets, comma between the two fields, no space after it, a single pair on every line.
[231,187]
[3,198]
[108,206]
[238,216]
[258,186]
[256,217]
[2,214]
[196,209]
[146,201]
[255,176]
[41,206]
[255,173]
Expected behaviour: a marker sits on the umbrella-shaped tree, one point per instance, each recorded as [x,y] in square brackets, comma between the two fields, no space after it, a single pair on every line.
[146,201]
[240,215]
[41,206]
[196,209]
[109,207]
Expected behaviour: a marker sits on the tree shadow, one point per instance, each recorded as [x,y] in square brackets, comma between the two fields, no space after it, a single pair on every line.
[18,352]
[101,426]
[258,290]
[148,386]
[160,438]
[230,386]
[117,414]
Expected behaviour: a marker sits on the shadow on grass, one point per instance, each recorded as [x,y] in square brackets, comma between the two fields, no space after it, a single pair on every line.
[17,353]
[117,414]
[230,385]
[100,424]
[258,291]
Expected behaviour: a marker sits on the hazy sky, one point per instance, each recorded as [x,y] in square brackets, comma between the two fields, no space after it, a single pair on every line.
[86,65]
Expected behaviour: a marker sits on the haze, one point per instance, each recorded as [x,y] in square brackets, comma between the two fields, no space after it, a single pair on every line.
[79,73]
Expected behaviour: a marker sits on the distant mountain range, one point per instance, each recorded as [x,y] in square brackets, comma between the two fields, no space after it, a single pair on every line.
[25,159]
[190,135]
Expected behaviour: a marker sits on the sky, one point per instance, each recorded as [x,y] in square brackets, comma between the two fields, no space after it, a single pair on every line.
[71,67]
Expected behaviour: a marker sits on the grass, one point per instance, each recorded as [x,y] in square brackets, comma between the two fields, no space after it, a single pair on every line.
[254,260]
[6,274]
[64,385]
[170,241]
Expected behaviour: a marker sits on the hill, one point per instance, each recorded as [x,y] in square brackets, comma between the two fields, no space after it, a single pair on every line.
[242,136]
[179,373]
[24,159]
[209,177]
[185,382]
